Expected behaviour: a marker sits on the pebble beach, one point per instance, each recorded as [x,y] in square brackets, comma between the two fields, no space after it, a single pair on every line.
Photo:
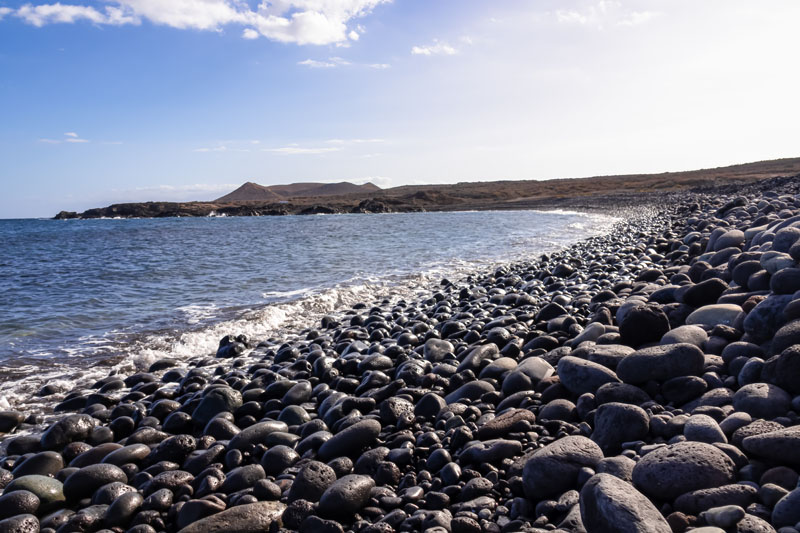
[645,380]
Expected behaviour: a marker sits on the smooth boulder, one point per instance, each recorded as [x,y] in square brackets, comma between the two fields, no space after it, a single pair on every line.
[669,471]
[611,505]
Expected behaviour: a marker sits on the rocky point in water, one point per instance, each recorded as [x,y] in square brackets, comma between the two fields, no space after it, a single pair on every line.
[647,380]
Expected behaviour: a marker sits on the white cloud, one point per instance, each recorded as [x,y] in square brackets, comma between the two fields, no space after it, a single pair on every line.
[5,11]
[602,14]
[637,17]
[313,63]
[291,21]
[298,150]
[214,149]
[52,13]
[354,141]
[437,48]
[333,62]
[69,137]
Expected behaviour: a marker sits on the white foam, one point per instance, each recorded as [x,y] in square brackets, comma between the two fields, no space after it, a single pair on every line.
[300,309]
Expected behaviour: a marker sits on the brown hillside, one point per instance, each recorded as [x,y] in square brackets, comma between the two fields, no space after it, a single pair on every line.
[253,192]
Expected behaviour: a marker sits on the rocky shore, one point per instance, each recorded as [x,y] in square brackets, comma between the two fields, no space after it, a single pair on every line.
[644,381]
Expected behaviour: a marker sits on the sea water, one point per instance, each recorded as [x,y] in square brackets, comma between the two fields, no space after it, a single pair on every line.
[82,298]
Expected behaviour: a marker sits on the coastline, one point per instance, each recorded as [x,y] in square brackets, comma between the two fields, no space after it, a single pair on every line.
[477,401]
[593,194]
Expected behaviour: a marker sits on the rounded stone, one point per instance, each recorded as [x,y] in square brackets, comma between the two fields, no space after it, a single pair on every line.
[643,324]
[787,336]
[787,510]
[785,281]
[88,479]
[714,315]
[781,446]
[50,491]
[256,434]
[616,423]
[697,501]
[704,293]
[248,518]
[580,376]
[350,441]
[133,453]
[122,510]
[554,469]
[69,429]
[766,318]
[242,477]
[611,505]
[703,428]
[762,400]
[42,464]
[23,523]
[782,370]
[505,423]
[660,363]
[685,334]
[18,502]
[311,482]
[346,496]
[277,459]
[670,471]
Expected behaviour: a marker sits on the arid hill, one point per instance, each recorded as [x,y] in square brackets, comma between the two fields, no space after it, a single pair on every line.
[253,192]
[599,193]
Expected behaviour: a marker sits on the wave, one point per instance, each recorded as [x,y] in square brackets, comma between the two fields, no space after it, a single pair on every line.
[283,315]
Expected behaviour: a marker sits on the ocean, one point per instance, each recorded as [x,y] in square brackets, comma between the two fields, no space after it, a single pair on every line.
[83,298]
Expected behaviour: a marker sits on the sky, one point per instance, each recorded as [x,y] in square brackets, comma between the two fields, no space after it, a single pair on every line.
[134,100]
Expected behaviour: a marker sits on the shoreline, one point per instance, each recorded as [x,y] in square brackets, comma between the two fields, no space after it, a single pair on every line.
[593,194]
[135,350]
[622,378]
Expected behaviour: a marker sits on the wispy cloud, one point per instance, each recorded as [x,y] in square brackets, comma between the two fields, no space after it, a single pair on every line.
[331,62]
[354,141]
[288,21]
[437,48]
[69,137]
[334,62]
[300,150]
[604,14]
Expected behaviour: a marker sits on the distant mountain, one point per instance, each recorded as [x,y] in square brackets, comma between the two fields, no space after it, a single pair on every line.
[253,192]
[599,193]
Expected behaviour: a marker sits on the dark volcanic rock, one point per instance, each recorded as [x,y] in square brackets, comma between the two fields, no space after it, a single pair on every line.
[581,376]
[762,400]
[350,441]
[311,482]
[554,469]
[505,423]
[646,323]
[782,446]
[616,423]
[249,518]
[346,496]
[85,481]
[610,505]
[670,471]
[660,363]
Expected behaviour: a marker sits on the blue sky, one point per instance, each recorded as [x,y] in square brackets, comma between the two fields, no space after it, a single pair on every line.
[133,100]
